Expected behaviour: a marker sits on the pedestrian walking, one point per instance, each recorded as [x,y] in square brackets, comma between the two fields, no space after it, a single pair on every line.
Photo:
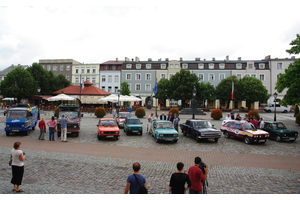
[114,112]
[17,165]
[196,176]
[129,109]
[42,126]
[149,122]
[52,125]
[175,122]
[63,127]
[178,181]
[135,181]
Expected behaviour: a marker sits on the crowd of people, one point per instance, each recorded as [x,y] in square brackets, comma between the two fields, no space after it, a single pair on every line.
[172,118]
[259,124]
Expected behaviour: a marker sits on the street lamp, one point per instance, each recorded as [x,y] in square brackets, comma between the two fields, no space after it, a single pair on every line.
[193,101]
[119,91]
[39,90]
[275,97]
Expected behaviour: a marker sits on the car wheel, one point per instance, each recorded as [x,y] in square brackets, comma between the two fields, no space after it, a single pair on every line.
[226,134]
[285,111]
[278,139]
[127,132]
[268,111]
[247,140]
[157,140]
[175,141]
[197,138]
[7,133]
[99,138]
[117,137]
[141,132]
[216,139]
[184,133]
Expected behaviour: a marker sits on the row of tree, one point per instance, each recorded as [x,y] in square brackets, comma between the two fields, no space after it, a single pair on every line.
[23,83]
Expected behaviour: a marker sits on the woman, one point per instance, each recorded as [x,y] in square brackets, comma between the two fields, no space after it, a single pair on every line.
[42,126]
[52,124]
[17,166]
[178,181]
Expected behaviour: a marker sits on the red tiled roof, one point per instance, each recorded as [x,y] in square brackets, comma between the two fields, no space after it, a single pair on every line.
[88,89]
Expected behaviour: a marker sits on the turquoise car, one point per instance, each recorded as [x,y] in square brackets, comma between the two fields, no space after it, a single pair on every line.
[163,130]
[133,125]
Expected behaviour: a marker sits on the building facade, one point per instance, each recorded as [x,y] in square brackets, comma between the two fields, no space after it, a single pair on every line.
[85,72]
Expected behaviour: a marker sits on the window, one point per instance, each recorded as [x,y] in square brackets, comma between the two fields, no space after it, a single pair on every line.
[176,66]
[201,66]
[76,71]
[211,77]
[129,86]
[116,89]
[221,66]
[221,76]
[103,88]
[49,67]
[148,66]
[116,78]
[261,66]
[68,67]
[170,75]
[93,80]
[148,87]
[128,76]
[54,67]
[138,87]
[162,76]
[94,71]
[61,68]
[138,66]
[77,80]
[109,78]
[109,89]
[88,71]
[253,75]
[163,66]
[201,77]
[239,76]
[128,66]
[262,77]
[137,76]
[250,66]
[238,66]
[184,66]
[103,78]
[68,77]
[148,77]
[211,66]
[171,66]
[113,67]
[247,75]
[279,65]
[88,79]
[82,71]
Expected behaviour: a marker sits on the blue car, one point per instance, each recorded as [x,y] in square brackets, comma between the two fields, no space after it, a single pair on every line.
[163,130]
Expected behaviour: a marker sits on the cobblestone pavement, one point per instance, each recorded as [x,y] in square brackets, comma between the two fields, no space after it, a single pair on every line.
[50,172]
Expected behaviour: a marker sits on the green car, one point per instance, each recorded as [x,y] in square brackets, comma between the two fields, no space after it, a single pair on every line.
[133,125]
[279,132]
[163,130]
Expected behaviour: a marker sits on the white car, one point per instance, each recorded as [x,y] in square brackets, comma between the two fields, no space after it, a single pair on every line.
[279,108]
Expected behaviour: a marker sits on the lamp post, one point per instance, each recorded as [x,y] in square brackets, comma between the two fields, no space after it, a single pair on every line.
[118,100]
[39,90]
[193,101]
[275,96]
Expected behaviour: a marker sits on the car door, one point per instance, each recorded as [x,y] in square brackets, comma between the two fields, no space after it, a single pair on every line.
[270,129]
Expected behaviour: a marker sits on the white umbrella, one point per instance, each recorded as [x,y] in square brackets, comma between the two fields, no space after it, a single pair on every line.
[110,98]
[135,98]
[61,97]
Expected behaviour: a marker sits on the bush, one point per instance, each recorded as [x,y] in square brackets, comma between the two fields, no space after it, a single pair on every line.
[174,110]
[298,119]
[100,112]
[253,113]
[216,114]
[140,112]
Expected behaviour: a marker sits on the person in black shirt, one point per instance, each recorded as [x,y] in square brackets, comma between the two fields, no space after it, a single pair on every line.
[178,180]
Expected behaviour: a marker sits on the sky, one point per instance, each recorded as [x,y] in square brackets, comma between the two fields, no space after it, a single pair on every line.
[95,32]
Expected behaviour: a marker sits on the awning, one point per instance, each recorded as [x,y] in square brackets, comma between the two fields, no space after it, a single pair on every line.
[90,99]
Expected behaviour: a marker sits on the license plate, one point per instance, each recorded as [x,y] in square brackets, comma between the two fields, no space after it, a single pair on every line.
[109,136]
[262,140]
[291,138]
[211,138]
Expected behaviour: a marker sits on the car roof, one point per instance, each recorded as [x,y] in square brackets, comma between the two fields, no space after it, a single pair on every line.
[124,112]
[162,121]
[132,118]
[102,119]
[236,121]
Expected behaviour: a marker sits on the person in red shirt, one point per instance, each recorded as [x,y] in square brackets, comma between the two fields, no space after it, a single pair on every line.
[196,176]
[42,126]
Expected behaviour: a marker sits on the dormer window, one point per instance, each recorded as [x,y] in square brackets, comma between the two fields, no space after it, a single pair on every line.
[211,66]
[163,66]
[201,66]
[184,66]
[138,66]
[148,66]
[238,66]
[261,66]
[128,66]
[221,66]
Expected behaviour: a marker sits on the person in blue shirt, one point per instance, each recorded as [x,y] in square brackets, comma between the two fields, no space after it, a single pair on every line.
[129,109]
[63,121]
[175,122]
[132,186]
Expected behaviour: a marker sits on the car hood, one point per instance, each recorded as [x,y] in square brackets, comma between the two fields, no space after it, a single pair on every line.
[108,128]
[207,130]
[134,125]
[284,131]
[166,131]
[257,132]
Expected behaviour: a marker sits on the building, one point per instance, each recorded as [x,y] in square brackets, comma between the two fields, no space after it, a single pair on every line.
[85,72]
[4,72]
[59,66]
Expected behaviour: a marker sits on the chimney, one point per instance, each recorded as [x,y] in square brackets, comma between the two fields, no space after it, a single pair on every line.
[167,59]
[149,59]
[137,59]
[180,58]
[117,59]
[239,58]
[227,58]
[197,59]
[213,59]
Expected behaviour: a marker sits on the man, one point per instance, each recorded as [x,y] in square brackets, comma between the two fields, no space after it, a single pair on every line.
[63,121]
[150,119]
[196,176]
[163,116]
[228,117]
[261,124]
[114,112]
[135,180]
[175,122]
[171,117]
[129,109]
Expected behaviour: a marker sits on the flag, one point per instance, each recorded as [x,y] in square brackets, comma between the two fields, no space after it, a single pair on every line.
[155,89]
[232,90]
[82,84]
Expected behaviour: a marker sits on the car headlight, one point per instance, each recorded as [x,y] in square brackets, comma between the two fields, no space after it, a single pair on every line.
[102,132]
[117,132]
[161,135]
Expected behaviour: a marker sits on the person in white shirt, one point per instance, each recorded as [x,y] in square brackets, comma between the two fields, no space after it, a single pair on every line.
[17,165]
[262,123]
[228,117]
[150,119]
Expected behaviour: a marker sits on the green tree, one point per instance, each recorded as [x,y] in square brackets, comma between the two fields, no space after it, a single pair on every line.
[162,89]
[60,82]
[206,90]
[291,78]
[41,76]
[124,88]
[18,83]
[224,89]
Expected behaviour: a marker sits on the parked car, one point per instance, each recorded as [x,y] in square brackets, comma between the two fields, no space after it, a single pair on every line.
[200,130]
[279,108]
[163,130]
[108,128]
[245,131]
[133,125]
[121,118]
[279,132]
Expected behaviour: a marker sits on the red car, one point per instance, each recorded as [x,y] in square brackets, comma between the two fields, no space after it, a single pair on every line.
[108,128]
[245,131]
[121,118]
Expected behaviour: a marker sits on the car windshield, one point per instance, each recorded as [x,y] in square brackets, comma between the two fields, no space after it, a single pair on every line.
[278,126]
[164,125]
[133,121]
[202,124]
[122,115]
[70,114]
[248,126]
[17,114]
[108,123]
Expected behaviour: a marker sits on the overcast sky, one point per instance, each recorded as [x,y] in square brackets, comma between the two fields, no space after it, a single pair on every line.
[97,32]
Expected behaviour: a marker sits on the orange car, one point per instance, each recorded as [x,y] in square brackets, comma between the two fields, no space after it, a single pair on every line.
[108,128]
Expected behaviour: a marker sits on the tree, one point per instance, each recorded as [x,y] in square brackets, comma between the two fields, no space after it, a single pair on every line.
[60,82]
[206,90]
[224,89]
[41,76]
[181,85]
[18,83]
[291,78]
[124,88]
[162,89]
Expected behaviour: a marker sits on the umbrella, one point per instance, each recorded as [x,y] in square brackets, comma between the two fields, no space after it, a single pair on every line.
[110,98]
[61,97]
[135,98]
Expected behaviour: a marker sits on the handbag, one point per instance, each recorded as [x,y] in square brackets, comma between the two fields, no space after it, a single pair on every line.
[54,130]
[142,189]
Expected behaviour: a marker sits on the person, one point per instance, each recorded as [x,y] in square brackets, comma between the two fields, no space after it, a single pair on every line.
[156,117]
[228,117]
[246,117]
[64,123]
[17,165]
[129,109]
[42,126]
[114,112]
[196,176]
[178,181]
[135,180]
[232,114]
[238,117]
[52,124]
[175,122]
[262,123]
[254,122]
[163,116]
[171,117]
[150,119]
